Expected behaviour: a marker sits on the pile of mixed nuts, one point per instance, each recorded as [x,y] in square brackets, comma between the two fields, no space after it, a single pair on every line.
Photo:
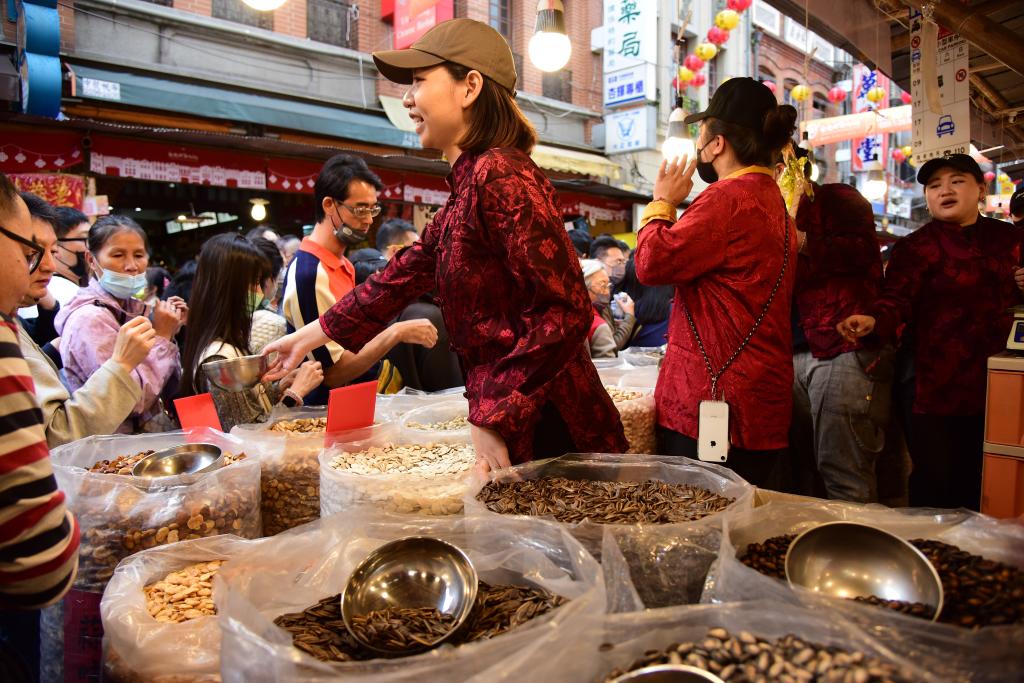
[184,594]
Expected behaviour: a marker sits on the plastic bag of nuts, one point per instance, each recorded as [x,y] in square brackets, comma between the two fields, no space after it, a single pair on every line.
[121,515]
[447,418]
[978,592]
[386,466]
[639,416]
[139,647]
[295,571]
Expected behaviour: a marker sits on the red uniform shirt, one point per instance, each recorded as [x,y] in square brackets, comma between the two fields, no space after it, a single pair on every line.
[512,295]
[840,271]
[953,286]
[724,256]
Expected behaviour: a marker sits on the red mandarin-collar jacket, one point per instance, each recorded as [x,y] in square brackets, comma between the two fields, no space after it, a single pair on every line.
[723,256]
[512,295]
[840,271]
[954,286]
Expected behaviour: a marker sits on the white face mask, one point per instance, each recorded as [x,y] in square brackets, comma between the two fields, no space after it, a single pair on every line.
[121,286]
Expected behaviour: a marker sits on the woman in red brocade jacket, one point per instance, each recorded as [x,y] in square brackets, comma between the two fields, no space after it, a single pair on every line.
[508,281]
[953,279]
[732,260]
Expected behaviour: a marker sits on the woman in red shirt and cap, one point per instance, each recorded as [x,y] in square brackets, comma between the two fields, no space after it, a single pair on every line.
[726,386]
[508,281]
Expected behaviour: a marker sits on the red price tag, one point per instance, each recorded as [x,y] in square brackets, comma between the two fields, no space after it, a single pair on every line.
[351,407]
[196,412]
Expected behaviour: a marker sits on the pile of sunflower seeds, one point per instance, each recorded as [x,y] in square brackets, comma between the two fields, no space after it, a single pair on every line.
[401,629]
[429,460]
[452,425]
[320,630]
[603,502]
[745,658]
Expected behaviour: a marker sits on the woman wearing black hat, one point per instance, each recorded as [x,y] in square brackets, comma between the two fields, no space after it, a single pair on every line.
[952,282]
[727,377]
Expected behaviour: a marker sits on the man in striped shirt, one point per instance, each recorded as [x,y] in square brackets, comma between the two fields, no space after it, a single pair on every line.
[38,536]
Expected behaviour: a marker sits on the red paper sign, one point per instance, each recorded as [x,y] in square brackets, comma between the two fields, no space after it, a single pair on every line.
[351,407]
[413,18]
[58,189]
[83,636]
[197,411]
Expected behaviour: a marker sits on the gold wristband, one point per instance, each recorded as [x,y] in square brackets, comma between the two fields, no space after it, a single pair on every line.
[658,210]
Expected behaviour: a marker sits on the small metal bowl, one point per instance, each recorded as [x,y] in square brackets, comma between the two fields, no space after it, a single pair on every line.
[668,673]
[189,458]
[237,374]
[848,560]
[410,573]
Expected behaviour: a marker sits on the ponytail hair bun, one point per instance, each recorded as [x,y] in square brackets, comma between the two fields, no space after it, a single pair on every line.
[779,125]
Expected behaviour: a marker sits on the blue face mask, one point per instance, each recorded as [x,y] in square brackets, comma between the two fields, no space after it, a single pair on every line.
[121,286]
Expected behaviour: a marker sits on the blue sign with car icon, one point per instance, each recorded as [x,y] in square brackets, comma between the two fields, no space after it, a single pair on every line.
[946,126]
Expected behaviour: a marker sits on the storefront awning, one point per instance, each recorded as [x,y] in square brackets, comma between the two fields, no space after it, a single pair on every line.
[571,161]
[234,105]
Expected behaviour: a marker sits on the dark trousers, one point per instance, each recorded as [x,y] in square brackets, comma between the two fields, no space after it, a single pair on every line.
[759,468]
[551,436]
[947,452]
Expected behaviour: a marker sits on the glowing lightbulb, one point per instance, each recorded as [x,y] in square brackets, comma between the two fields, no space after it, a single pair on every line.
[549,47]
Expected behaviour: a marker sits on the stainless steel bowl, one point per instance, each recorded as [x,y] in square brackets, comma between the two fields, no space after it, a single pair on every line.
[668,673]
[848,560]
[189,458]
[237,374]
[409,573]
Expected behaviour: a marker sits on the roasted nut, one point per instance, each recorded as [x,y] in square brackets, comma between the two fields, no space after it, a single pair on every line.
[301,426]
[183,595]
[452,425]
[639,418]
[290,487]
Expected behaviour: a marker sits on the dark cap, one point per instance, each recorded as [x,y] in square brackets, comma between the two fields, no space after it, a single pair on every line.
[742,101]
[469,43]
[1017,203]
[961,162]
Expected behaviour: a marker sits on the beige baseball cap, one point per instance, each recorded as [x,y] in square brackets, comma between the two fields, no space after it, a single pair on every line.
[470,43]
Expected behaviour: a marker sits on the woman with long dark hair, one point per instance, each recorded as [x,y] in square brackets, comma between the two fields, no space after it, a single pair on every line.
[509,285]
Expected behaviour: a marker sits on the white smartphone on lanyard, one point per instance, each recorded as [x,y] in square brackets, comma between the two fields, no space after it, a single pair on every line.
[713,431]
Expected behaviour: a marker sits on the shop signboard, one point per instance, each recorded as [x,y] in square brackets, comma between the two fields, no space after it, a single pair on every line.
[176,163]
[631,130]
[633,84]
[946,129]
[872,149]
[413,18]
[833,129]
[631,34]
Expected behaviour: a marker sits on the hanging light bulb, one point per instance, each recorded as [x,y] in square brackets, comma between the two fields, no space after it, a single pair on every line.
[875,186]
[678,143]
[259,209]
[549,47]
[815,172]
[264,5]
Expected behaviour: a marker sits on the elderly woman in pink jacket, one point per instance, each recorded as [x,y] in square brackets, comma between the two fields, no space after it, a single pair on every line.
[118,256]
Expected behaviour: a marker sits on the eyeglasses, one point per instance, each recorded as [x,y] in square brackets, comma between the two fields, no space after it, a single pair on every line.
[603,287]
[35,257]
[365,211]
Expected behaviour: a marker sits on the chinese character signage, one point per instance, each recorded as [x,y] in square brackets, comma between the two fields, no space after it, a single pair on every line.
[631,33]
[948,130]
[634,84]
[870,149]
[413,18]
[631,130]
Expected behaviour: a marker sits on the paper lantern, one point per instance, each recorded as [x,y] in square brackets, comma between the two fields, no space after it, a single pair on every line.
[739,5]
[876,94]
[698,80]
[770,85]
[989,176]
[1003,178]
[685,75]
[898,155]
[727,20]
[906,98]
[706,51]
[800,93]
[717,36]
[693,63]
[907,150]
[676,83]
[836,95]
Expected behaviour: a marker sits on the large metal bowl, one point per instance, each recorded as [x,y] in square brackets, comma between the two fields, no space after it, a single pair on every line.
[410,573]
[237,374]
[189,458]
[668,673]
[848,560]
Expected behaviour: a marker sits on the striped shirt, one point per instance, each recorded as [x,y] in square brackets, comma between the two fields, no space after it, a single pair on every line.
[38,535]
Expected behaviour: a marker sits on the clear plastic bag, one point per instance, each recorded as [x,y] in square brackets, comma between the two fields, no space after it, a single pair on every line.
[639,420]
[139,648]
[730,580]
[294,571]
[417,423]
[658,564]
[399,492]
[120,515]
[643,356]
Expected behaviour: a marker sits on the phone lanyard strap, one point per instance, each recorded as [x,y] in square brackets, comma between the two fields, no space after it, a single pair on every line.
[715,376]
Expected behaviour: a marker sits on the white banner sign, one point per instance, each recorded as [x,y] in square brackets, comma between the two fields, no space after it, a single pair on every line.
[947,131]
[634,84]
[631,130]
[631,33]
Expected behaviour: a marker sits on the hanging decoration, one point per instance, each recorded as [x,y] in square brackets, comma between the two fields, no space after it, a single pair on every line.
[899,156]
[693,63]
[876,94]
[706,52]
[907,150]
[836,95]
[989,176]
[685,75]
[800,93]
[727,19]
[690,73]
[739,5]
[770,85]
[718,36]
[699,79]
[906,98]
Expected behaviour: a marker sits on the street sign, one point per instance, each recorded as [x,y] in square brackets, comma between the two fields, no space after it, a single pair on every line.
[947,131]
[634,84]
[631,130]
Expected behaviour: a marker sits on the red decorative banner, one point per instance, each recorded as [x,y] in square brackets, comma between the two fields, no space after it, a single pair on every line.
[176,163]
[413,18]
[39,152]
[594,207]
[292,175]
[56,189]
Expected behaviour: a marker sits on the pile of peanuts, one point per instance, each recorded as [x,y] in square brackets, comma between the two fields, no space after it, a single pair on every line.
[183,595]
[123,464]
[290,487]
[639,418]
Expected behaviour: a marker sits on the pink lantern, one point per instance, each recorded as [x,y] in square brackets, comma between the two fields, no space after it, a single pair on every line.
[836,95]
[693,63]
[989,176]
[739,5]
[675,83]
[899,156]
[718,36]
[906,98]
[770,85]
[699,79]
